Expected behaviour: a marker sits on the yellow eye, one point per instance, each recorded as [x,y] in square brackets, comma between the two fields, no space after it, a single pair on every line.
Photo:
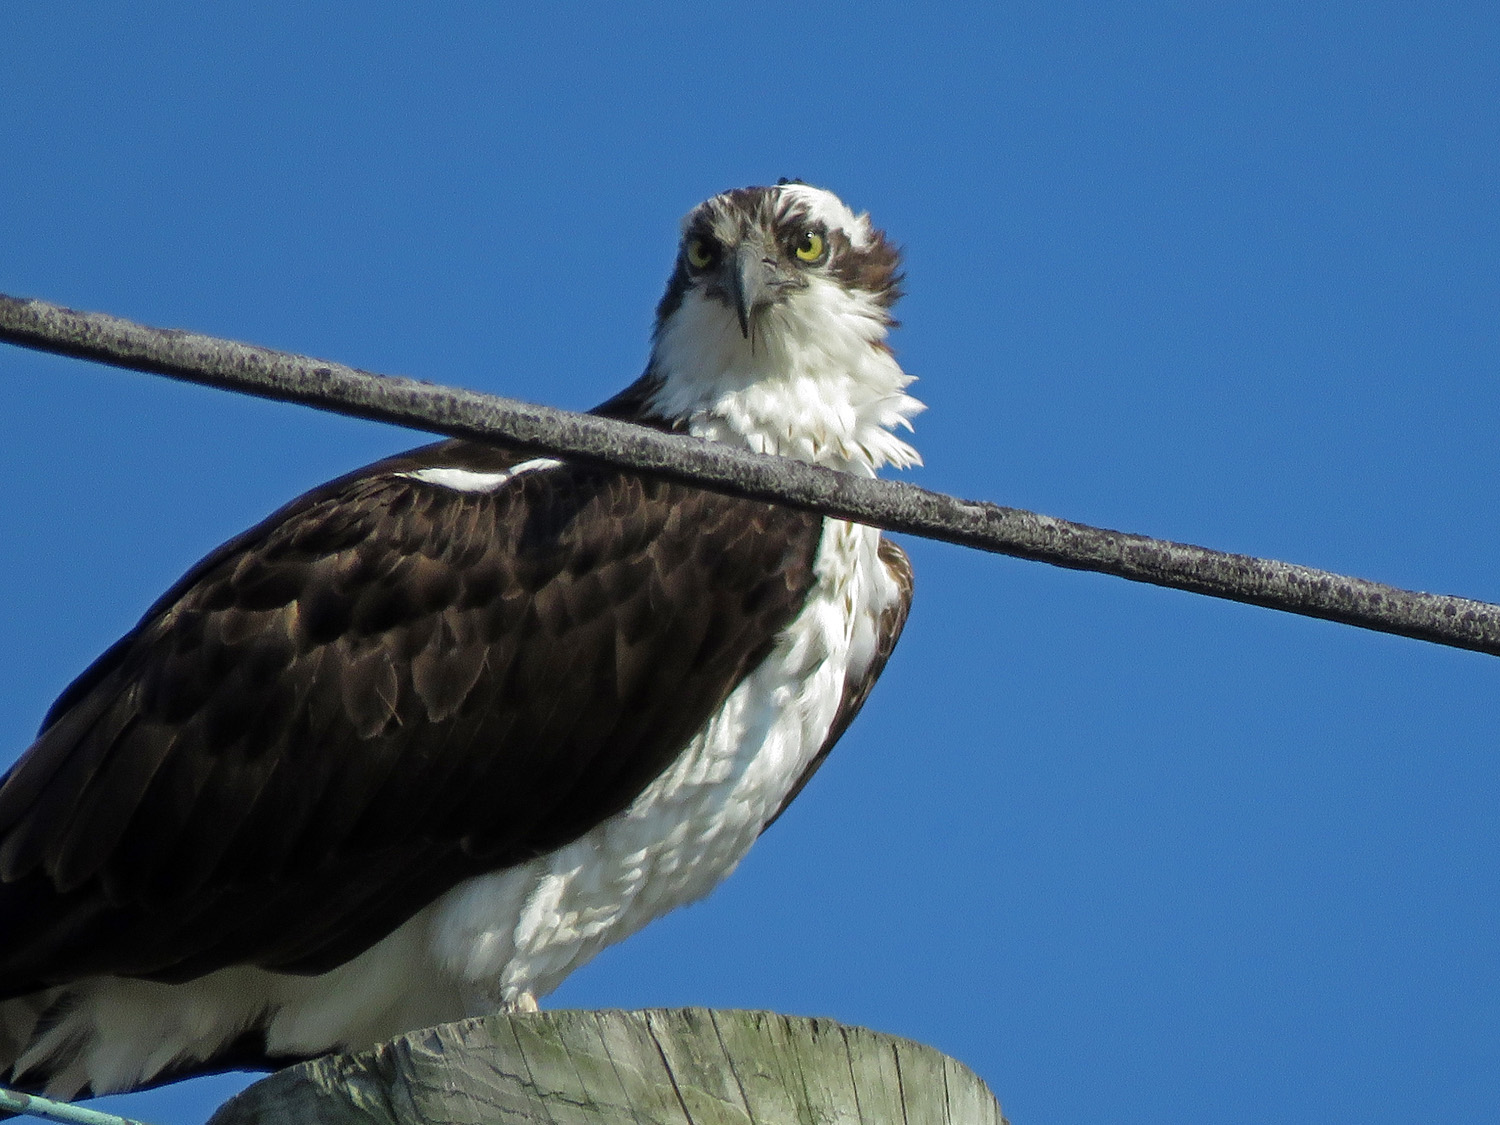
[701,253]
[809,248]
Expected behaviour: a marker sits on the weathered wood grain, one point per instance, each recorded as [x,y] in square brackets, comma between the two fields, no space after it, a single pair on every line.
[688,1066]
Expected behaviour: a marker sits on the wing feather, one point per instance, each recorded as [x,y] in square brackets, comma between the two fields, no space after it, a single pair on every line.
[387,686]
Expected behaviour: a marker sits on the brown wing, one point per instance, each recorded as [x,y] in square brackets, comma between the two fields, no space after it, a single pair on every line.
[386,687]
[857,688]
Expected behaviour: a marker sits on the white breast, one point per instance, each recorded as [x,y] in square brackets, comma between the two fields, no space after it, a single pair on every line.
[521,931]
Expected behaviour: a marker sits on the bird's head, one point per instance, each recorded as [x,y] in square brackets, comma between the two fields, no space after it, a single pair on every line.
[753,251]
[773,329]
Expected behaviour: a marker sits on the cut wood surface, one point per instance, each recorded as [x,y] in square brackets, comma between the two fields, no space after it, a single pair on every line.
[686,1066]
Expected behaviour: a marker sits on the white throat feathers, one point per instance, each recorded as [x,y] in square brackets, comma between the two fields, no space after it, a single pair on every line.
[773,332]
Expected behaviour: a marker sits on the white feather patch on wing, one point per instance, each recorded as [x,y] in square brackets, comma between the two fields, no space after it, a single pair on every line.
[467,480]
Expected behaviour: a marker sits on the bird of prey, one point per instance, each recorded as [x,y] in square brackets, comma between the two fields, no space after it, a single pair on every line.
[432,735]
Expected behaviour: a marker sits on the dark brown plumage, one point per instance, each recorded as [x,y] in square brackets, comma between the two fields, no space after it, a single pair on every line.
[287,724]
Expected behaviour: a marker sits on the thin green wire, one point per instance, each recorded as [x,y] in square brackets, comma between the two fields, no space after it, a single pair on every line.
[34,1106]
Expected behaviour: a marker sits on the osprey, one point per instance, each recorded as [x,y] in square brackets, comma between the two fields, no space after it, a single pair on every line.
[434,734]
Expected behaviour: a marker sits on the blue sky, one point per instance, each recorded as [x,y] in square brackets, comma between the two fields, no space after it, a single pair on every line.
[1227,274]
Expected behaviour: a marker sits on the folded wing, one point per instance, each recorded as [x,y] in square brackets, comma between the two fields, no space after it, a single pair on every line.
[388,686]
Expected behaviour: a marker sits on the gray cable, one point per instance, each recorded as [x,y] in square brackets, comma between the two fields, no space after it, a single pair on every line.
[893,505]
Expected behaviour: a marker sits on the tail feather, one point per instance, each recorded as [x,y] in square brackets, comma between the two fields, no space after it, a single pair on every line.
[68,1043]
[40,1047]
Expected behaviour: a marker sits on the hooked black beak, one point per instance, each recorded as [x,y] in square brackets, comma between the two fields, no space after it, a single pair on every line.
[748,278]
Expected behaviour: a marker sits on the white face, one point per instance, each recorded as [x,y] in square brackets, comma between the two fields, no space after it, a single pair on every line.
[760,252]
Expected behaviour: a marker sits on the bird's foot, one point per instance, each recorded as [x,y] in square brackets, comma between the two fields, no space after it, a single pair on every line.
[525,1002]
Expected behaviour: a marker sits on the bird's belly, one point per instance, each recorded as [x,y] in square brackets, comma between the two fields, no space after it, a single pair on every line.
[519,932]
